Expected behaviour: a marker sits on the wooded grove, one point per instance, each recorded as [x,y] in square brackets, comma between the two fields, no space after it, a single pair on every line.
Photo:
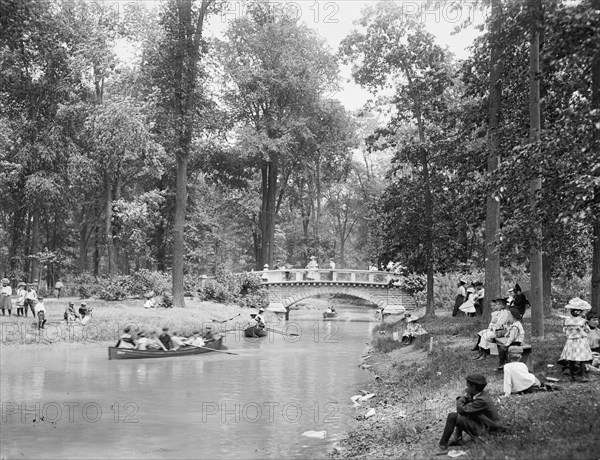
[133,138]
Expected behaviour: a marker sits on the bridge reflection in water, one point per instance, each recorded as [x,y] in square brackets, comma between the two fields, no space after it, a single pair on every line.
[287,287]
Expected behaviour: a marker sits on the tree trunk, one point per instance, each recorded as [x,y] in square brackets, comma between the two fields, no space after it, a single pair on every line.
[188,38]
[493,285]
[35,244]
[428,237]
[547,280]
[110,247]
[83,242]
[96,251]
[535,186]
[596,145]
[16,254]
[178,232]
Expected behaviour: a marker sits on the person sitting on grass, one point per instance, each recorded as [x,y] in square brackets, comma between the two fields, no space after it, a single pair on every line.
[475,414]
[413,330]
[500,318]
[85,312]
[150,302]
[40,312]
[517,378]
[70,314]
[514,336]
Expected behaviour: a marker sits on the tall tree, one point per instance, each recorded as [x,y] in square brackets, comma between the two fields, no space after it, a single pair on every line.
[596,147]
[535,264]
[280,71]
[492,220]
[178,78]
[416,67]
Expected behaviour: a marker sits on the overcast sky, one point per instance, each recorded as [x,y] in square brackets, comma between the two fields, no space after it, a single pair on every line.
[334,20]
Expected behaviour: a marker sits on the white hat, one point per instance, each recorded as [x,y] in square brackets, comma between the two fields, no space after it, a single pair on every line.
[578,304]
[410,318]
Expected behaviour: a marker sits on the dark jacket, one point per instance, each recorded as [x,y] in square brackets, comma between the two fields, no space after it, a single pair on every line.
[480,410]
[520,302]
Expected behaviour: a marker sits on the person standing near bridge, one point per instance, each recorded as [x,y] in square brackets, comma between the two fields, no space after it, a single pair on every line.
[460,296]
[332,263]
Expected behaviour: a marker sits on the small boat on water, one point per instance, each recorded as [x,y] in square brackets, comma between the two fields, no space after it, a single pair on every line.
[126,353]
[327,314]
[254,331]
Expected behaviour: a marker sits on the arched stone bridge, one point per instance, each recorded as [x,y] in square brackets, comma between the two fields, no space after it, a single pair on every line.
[287,287]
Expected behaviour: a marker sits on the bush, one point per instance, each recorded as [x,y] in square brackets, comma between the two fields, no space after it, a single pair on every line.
[245,289]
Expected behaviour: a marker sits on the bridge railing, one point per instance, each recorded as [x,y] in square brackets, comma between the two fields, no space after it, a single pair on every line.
[295,275]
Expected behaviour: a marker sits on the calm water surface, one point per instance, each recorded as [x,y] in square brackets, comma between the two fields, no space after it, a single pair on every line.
[255,405]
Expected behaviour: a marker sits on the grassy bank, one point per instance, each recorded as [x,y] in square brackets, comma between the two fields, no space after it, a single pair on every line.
[110,318]
[417,388]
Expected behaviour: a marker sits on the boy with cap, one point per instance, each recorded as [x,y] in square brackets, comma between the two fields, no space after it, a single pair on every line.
[475,414]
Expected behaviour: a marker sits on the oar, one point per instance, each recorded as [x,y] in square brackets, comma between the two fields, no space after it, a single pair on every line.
[213,349]
[281,332]
[225,320]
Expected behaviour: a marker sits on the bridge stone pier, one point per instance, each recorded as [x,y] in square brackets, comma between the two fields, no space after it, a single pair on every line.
[287,287]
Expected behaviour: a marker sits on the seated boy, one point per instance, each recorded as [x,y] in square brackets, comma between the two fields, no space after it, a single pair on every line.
[517,378]
[475,414]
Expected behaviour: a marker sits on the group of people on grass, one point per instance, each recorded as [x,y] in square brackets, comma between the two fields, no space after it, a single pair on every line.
[469,300]
[150,340]
[506,330]
[476,413]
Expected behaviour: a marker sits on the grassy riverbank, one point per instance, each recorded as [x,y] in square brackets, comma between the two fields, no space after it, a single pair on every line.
[415,389]
[110,318]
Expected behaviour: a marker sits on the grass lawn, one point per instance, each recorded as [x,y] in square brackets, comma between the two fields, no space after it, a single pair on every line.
[110,318]
[415,390]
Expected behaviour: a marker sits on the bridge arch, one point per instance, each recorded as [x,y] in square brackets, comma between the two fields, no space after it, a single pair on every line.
[332,290]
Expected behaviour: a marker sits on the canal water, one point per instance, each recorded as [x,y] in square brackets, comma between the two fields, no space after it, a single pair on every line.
[70,401]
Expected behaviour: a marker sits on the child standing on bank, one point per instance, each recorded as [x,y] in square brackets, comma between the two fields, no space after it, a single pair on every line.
[40,312]
[21,293]
[577,349]
[30,299]
[5,293]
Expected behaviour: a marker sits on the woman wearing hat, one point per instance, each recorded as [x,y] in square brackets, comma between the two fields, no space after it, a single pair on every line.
[5,293]
[514,336]
[577,348]
[468,307]
[461,293]
[21,293]
[520,302]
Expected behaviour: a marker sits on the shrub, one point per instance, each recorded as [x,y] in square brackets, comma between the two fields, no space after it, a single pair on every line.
[245,289]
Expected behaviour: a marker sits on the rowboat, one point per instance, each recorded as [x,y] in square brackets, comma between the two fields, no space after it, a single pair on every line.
[332,314]
[254,331]
[126,353]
